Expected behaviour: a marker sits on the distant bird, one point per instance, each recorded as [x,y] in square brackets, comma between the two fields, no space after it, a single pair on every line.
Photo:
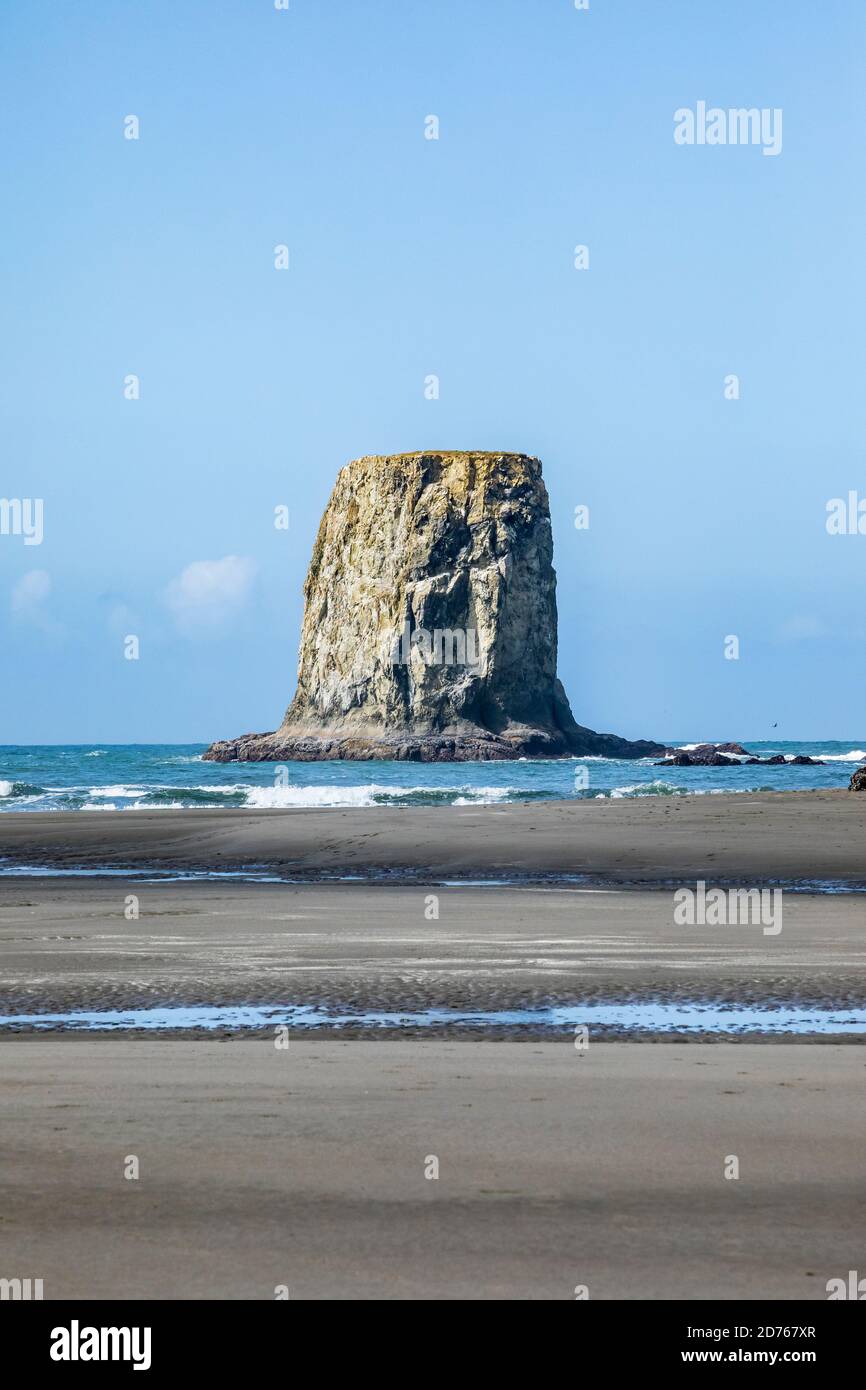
[775,726]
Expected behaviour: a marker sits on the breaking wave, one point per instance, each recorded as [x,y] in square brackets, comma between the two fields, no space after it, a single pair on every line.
[265,798]
[642,789]
[16,789]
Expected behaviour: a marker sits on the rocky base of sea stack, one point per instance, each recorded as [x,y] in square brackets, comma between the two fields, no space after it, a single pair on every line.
[426,748]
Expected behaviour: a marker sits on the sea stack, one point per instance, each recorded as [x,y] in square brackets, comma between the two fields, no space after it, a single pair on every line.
[429,628]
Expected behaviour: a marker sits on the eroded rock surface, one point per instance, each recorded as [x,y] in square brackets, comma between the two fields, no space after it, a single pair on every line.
[429,628]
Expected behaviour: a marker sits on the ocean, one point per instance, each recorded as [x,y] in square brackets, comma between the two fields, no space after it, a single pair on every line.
[109,777]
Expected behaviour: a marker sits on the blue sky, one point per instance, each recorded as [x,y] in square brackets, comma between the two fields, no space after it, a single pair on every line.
[409,257]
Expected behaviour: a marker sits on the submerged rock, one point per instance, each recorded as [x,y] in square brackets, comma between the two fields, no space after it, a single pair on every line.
[429,628]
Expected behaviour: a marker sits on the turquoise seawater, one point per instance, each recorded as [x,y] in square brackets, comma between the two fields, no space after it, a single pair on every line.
[150,776]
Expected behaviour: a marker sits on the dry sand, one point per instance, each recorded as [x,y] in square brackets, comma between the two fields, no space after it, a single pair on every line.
[747,839]
[260,1167]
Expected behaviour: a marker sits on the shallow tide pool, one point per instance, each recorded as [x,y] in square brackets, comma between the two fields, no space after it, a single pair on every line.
[649,1018]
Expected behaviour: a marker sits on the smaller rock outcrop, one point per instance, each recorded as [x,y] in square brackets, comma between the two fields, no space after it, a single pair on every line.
[858,781]
[779,760]
[703,755]
[697,759]
[701,749]
[706,755]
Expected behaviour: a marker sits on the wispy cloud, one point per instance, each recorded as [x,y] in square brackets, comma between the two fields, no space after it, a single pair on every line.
[29,595]
[207,596]
[120,616]
[802,627]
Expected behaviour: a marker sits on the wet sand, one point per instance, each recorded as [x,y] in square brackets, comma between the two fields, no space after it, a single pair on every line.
[67,945]
[747,839]
[305,1168]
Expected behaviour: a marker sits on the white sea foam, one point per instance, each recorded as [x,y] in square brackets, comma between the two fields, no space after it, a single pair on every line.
[666,789]
[104,806]
[641,789]
[267,798]
[856,755]
[5,788]
[117,791]
[484,796]
[162,806]
[690,748]
[126,792]
[211,787]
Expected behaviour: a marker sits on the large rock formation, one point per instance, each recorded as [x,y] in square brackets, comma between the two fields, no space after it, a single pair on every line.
[430,621]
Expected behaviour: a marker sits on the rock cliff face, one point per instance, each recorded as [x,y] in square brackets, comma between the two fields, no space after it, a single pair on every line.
[430,621]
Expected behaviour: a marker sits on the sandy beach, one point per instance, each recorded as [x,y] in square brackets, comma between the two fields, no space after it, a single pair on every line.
[305,1168]
[65,944]
[749,839]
